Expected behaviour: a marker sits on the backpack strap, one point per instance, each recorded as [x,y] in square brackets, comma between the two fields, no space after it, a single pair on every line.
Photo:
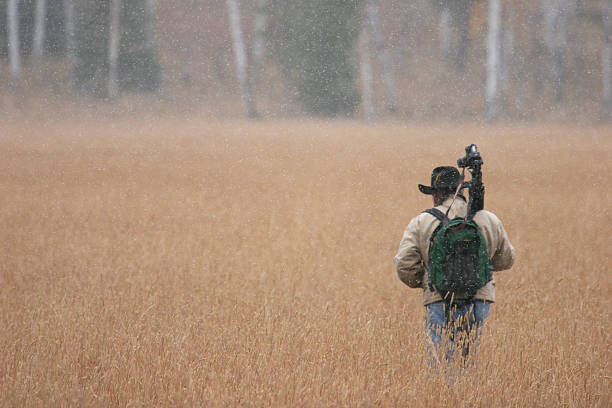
[443,220]
[437,213]
[441,217]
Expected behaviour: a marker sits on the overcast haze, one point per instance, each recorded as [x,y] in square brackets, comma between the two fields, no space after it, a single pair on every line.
[408,60]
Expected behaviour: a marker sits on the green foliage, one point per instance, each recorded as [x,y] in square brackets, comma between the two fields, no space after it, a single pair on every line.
[55,34]
[313,43]
[139,67]
[26,26]
[91,29]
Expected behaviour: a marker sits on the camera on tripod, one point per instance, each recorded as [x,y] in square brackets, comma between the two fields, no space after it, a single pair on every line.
[473,162]
[471,159]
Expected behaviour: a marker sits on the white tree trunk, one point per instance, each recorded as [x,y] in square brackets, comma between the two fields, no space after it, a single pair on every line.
[507,55]
[462,16]
[69,28]
[446,33]
[606,61]
[12,16]
[113,48]
[373,22]
[493,52]
[38,43]
[557,14]
[240,58]
[366,75]
[259,48]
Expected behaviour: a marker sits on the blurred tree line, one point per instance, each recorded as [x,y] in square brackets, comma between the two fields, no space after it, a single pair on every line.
[452,58]
[81,31]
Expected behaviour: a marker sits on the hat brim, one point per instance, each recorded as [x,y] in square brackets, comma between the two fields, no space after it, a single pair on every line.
[426,189]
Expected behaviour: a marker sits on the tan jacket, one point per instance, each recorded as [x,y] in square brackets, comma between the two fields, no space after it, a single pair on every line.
[413,253]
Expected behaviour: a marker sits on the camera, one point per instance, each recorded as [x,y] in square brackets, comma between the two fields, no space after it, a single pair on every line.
[471,159]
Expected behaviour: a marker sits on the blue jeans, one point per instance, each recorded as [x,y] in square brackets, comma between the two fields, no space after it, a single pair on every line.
[453,332]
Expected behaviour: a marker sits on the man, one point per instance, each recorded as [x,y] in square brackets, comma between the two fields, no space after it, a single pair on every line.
[461,320]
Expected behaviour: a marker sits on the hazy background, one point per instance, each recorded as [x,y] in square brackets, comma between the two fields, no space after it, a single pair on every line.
[413,59]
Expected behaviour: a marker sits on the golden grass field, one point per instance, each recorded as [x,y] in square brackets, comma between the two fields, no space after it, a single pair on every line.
[183,262]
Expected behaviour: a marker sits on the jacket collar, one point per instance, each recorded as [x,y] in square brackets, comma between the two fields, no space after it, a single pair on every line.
[460,199]
[459,208]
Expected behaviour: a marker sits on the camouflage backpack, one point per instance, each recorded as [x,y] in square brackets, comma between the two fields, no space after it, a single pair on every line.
[458,257]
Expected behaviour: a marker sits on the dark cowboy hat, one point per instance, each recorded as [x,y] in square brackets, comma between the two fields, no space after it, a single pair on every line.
[442,178]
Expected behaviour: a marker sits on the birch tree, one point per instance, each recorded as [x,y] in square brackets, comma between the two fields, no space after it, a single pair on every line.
[556,15]
[606,61]
[461,15]
[366,75]
[507,52]
[12,16]
[38,42]
[445,31]
[69,30]
[113,48]
[493,54]
[374,25]
[454,30]
[156,81]
[259,40]
[240,58]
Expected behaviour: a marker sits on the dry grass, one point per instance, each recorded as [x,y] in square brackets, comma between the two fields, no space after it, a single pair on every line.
[183,262]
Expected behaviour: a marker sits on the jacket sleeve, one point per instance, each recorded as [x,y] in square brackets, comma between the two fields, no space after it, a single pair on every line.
[503,258]
[408,261]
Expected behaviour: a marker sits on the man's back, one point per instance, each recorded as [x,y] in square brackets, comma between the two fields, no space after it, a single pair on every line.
[413,252]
